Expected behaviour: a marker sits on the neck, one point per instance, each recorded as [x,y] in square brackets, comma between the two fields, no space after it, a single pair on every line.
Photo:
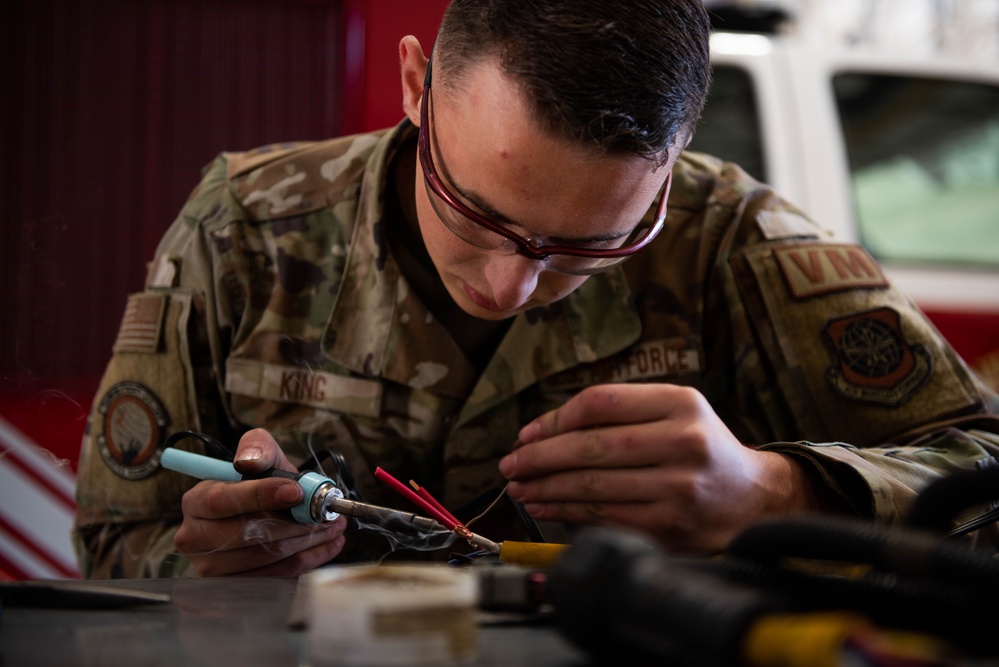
[477,338]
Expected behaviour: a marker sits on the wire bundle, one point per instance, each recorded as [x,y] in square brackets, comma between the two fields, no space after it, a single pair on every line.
[426,502]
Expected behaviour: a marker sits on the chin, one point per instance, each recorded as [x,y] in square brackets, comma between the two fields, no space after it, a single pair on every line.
[492,315]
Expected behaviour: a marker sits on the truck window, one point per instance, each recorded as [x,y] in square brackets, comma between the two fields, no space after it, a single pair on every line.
[730,127]
[924,161]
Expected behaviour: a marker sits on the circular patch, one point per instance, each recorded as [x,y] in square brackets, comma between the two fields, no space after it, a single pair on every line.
[876,362]
[132,425]
[870,348]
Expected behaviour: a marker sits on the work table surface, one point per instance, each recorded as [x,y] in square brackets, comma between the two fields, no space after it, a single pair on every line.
[240,621]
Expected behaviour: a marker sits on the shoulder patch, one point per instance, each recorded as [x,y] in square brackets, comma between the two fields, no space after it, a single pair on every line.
[131,428]
[820,268]
[142,325]
[777,224]
[856,365]
[876,362]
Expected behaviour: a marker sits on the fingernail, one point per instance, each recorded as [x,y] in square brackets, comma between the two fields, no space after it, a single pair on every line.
[250,454]
[530,433]
[288,494]
[515,490]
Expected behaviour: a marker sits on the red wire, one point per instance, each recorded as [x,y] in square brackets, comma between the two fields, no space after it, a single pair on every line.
[441,518]
[422,490]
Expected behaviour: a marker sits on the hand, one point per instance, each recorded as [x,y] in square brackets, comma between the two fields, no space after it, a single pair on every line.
[245,528]
[653,457]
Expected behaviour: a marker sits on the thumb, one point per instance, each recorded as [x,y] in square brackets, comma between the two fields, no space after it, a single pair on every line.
[257,451]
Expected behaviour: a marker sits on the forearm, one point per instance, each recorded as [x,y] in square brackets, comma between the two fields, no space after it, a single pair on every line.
[797,487]
[881,482]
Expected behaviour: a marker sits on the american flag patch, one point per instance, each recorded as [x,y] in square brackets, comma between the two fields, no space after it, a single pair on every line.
[143,323]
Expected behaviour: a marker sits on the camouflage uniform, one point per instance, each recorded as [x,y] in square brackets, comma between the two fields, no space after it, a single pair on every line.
[274,301]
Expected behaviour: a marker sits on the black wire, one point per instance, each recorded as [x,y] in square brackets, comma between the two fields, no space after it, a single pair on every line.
[937,505]
[344,478]
[983,519]
[217,449]
[530,525]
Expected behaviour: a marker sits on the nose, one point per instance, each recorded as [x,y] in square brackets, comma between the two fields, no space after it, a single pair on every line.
[512,279]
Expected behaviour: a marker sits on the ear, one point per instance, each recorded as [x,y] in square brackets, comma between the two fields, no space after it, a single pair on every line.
[681,141]
[686,142]
[414,68]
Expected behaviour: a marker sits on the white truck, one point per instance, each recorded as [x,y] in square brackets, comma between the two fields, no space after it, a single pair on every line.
[900,154]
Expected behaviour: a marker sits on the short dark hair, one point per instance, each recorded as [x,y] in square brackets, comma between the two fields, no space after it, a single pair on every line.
[625,77]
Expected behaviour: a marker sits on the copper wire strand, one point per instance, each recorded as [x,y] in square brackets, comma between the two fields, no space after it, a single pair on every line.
[488,509]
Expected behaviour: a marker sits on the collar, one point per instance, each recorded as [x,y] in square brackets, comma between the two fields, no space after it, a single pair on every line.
[378,327]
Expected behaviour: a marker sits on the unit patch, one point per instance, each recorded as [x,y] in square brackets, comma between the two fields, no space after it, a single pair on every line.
[876,363]
[131,429]
[820,268]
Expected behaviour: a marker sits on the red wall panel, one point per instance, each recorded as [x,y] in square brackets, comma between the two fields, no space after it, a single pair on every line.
[118,105]
[388,21]
[112,107]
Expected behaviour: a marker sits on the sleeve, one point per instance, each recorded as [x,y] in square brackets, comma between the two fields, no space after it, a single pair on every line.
[162,377]
[846,373]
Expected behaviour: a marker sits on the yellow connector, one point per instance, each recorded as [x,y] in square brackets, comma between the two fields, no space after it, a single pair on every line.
[819,639]
[531,554]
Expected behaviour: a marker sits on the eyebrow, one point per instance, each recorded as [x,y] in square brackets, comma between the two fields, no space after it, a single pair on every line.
[491,212]
[496,216]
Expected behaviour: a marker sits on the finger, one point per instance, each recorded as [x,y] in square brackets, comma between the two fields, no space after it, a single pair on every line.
[266,553]
[628,446]
[649,518]
[220,500]
[614,404]
[258,451]
[300,562]
[614,485]
[670,525]
[197,537]
[589,513]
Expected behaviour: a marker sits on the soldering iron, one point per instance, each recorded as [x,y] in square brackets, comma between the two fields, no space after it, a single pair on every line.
[318,492]
[322,500]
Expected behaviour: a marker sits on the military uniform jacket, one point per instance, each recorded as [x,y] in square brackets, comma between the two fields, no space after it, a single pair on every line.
[274,301]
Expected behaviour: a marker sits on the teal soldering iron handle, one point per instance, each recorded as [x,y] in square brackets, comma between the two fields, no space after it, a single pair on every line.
[316,489]
[196,465]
